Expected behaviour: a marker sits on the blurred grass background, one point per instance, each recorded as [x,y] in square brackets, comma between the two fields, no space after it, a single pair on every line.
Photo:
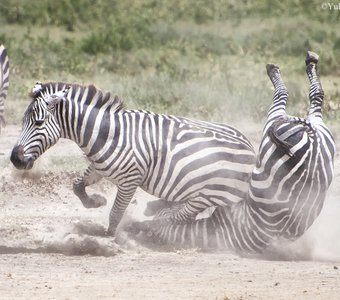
[204,59]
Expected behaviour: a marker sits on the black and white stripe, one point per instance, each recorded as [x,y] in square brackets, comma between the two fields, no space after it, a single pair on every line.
[287,189]
[193,163]
[4,83]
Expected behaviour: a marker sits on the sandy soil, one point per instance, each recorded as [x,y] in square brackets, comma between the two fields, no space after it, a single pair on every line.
[51,247]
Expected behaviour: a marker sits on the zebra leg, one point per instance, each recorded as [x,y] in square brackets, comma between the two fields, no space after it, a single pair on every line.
[153,207]
[166,218]
[278,107]
[316,93]
[90,177]
[160,210]
[123,198]
[178,214]
[188,211]
[170,215]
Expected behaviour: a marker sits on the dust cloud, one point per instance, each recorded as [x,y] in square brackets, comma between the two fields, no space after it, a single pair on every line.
[321,241]
[84,238]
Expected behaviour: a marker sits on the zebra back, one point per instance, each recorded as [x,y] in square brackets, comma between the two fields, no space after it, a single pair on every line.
[4,82]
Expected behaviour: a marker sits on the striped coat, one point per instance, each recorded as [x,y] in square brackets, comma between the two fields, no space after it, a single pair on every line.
[193,163]
[287,188]
[4,83]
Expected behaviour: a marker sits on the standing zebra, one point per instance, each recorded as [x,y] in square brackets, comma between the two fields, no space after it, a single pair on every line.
[194,163]
[4,83]
[287,187]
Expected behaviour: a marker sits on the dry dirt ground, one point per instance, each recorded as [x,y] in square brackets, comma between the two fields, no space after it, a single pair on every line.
[51,247]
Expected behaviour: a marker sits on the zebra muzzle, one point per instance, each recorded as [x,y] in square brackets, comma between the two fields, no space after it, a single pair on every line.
[19,160]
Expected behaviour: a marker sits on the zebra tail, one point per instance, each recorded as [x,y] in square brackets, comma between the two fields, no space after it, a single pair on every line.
[296,129]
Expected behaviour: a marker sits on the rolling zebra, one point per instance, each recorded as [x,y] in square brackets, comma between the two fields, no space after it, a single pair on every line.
[4,83]
[287,188]
[193,163]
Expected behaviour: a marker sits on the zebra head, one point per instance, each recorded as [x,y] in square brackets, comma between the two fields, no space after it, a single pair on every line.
[41,129]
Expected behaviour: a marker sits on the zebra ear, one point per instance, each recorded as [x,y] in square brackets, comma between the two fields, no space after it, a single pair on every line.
[37,89]
[56,98]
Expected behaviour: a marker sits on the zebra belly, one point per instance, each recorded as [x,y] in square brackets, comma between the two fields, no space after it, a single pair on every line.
[220,183]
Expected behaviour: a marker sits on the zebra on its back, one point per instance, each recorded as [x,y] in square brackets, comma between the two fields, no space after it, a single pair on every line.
[194,163]
[4,83]
[287,188]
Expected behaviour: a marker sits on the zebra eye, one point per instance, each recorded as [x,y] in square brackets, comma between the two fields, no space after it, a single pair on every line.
[39,122]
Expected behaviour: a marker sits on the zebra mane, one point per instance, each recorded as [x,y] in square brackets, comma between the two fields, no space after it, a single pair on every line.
[95,95]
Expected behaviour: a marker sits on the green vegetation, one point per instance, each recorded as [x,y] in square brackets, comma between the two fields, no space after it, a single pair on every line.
[205,59]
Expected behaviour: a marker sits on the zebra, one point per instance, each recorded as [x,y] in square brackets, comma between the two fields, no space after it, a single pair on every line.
[195,163]
[4,83]
[287,189]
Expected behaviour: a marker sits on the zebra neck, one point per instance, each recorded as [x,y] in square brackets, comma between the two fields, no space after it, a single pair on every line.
[70,120]
[90,127]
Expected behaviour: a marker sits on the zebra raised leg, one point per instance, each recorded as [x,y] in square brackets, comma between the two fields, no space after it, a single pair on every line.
[4,83]
[90,177]
[278,108]
[316,93]
[173,158]
[316,98]
[287,188]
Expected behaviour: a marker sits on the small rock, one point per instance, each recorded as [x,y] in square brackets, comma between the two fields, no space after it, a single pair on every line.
[335,268]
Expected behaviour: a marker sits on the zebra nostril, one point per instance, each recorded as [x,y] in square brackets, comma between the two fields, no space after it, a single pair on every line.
[17,157]
[18,152]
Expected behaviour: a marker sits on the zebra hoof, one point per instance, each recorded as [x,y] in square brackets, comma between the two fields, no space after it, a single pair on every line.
[143,226]
[110,232]
[96,201]
[272,70]
[133,228]
[311,58]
